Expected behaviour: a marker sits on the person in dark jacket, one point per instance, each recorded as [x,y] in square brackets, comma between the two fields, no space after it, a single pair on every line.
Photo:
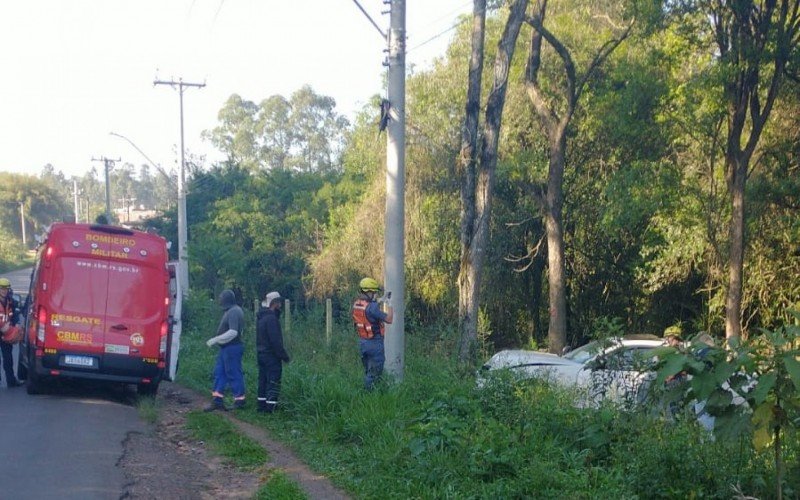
[270,353]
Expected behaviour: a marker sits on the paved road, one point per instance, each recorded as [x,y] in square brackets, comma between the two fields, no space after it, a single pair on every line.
[20,280]
[65,444]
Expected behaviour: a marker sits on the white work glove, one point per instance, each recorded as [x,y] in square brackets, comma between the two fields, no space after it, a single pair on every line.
[386,299]
[210,342]
[5,327]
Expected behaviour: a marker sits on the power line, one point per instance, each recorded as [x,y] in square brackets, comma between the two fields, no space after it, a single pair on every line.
[448,30]
[370,19]
[447,15]
[434,37]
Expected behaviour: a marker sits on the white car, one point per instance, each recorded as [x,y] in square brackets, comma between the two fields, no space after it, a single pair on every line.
[615,369]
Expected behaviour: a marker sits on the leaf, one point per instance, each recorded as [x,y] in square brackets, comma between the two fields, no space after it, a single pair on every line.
[723,371]
[762,438]
[719,400]
[762,423]
[673,363]
[765,384]
[731,425]
[793,368]
[703,385]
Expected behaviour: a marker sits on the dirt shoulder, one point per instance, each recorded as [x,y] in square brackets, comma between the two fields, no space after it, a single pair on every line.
[166,462]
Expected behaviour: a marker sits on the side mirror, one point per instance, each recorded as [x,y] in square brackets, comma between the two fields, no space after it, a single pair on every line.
[566,349]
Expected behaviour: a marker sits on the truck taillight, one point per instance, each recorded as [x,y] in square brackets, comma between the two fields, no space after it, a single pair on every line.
[48,254]
[41,323]
[162,347]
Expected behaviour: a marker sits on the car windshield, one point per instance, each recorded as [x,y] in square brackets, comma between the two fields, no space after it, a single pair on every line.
[586,352]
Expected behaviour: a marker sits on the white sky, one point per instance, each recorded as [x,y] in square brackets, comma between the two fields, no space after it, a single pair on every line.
[72,71]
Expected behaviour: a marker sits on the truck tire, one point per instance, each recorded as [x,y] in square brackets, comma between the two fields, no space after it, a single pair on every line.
[33,384]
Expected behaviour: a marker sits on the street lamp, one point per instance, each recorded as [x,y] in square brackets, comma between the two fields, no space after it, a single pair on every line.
[151,162]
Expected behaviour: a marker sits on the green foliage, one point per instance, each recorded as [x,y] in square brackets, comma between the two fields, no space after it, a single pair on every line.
[279,487]
[753,385]
[36,199]
[303,133]
[148,409]
[436,436]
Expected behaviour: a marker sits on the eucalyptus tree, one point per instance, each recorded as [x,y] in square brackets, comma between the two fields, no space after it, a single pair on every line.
[757,44]
[479,168]
[303,133]
[555,101]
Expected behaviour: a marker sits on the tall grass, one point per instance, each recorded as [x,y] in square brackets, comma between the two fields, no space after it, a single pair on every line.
[436,436]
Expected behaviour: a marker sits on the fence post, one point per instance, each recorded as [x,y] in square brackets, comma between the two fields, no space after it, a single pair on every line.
[328,320]
[287,309]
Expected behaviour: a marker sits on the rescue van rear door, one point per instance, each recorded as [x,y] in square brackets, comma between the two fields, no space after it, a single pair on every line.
[77,288]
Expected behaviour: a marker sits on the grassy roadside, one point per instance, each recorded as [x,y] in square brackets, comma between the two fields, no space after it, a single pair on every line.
[225,441]
[437,436]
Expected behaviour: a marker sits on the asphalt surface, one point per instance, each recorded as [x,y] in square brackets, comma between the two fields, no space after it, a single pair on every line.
[65,444]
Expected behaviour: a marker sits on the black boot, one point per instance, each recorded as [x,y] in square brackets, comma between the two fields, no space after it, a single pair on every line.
[217,404]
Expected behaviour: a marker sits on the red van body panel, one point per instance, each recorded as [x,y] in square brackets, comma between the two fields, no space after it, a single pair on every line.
[99,305]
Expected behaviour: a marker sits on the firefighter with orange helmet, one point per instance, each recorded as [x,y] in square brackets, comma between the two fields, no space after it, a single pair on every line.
[369,320]
[8,326]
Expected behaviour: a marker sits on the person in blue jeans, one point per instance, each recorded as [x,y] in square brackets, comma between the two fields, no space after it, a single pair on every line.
[369,321]
[228,369]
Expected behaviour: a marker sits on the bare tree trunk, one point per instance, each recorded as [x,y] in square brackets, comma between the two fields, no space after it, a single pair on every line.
[467,303]
[745,35]
[733,301]
[535,284]
[556,127]
[557,327]
[475,255]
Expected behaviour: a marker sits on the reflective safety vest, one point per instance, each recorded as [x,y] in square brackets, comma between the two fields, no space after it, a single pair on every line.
[365,328]
[6,310]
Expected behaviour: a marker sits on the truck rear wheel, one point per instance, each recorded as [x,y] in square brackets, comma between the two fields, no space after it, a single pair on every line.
[33,384]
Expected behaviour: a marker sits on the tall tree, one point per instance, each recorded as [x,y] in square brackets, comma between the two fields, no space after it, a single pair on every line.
[555,111]
[478,206]
[303,133]
[757,42]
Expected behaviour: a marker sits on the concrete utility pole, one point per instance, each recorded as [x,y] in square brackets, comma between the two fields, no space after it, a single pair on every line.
[22,223]
[183,257]
[394,233]
[109,164]
[75,199]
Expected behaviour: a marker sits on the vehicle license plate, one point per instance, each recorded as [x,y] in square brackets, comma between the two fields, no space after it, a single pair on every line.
[83,361]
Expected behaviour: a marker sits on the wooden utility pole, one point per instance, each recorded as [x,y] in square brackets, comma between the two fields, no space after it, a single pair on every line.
[108,164]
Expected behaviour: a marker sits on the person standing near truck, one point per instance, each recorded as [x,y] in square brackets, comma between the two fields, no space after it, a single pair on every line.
[270,353]
[8,319]
[228,369]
